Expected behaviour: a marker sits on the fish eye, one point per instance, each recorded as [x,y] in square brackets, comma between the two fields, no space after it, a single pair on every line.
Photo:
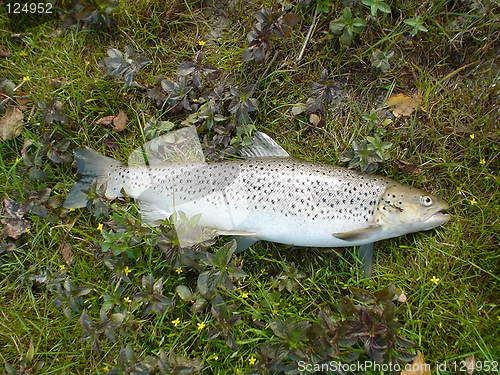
[426,201]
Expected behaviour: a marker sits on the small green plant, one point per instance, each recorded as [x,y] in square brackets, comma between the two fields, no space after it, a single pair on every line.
[323,6]
[35,154]
[417,25]
[380,60]
[26,365]
[347,27]
[242,103]
[196,70]
[224,321]
[124,65]
[129,364]
[90,14]
[53,111]
[269,25]
[152,297]
[377,5]
[108,326]
[289,279]
[219,272]
[370,324]
[366,154]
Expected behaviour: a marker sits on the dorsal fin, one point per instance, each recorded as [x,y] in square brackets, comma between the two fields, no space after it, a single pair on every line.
[178,146]
[263,146]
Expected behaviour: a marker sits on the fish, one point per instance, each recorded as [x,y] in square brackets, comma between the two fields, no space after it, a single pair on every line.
[267,195]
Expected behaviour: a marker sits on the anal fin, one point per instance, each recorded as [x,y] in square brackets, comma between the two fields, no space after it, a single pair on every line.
[243,243]
[151,213]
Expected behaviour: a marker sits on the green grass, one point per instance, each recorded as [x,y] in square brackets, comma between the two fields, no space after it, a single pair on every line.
[449,321]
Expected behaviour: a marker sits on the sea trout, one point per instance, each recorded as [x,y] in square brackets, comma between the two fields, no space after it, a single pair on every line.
[268,196]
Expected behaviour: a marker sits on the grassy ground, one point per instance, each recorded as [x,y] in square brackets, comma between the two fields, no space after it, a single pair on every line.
[453,139]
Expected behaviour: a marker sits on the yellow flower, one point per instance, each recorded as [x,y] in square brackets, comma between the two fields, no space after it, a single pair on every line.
[71,210]
[26,78]
[126,270]
[127,300]
[482,161]
[99,226]
[201,326]
[178,270]
[23,53]
[176,322]
[244,295]
[473,201]
[28,230]
[201,43]
[472,136]
[105,369]
[62,267]
[252,361]
[435,280]
[215,357]
[195,101]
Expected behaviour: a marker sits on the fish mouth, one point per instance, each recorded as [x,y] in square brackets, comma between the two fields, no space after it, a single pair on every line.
[438,218]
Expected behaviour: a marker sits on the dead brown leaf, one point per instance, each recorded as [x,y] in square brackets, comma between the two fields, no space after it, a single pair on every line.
[67,253]
[11,123]
[4,52]
[119,121]
[314,119]
[106,120]
[13,218]
[404,105]
[57,83]
[407,167]
[470,364]
[418,366]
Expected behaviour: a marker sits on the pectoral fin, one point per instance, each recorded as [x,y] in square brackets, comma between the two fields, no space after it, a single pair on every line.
[366,256]
[358,234]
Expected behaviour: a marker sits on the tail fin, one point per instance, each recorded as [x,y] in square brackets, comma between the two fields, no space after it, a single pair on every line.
[91,166]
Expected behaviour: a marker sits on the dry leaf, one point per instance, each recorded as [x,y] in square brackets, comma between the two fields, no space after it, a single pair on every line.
[407,167]
[120,121]
[470,364]
[13,218]
[106,120]
[57,83]
[4,52]
[418,366]
[298,108]
[11,123]
[314,119]
[404,105]
[67,253]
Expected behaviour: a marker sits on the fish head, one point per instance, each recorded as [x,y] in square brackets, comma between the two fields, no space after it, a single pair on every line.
[405,209]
